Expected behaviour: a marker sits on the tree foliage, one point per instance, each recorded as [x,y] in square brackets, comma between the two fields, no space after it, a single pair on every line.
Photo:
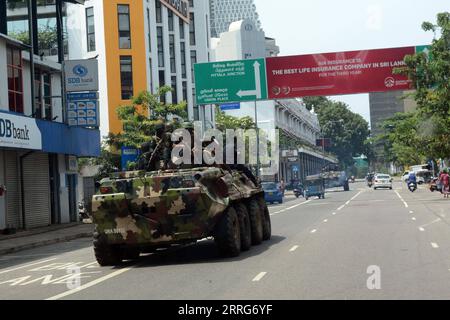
[348,131]
[424,134]
[141,120]
[224,122]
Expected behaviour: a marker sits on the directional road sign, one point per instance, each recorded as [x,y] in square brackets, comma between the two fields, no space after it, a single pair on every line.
[230,81]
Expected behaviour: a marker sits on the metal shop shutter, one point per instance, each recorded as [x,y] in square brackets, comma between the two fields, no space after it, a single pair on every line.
[37,190]
[13,215]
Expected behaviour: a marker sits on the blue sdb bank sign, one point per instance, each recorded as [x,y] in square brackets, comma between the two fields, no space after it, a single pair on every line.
[20,132]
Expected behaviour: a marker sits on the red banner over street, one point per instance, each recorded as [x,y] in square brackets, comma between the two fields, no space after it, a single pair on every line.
[337,73]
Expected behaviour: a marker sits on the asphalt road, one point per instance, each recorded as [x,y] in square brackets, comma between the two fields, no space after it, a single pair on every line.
[362,244]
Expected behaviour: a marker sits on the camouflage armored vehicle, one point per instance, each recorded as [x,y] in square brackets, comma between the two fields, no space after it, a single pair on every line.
[142,211]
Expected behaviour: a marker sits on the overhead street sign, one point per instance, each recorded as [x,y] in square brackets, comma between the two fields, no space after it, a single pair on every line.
[230,81]
[230,106]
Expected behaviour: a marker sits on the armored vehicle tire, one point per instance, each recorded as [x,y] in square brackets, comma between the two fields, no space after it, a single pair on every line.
[346,187]
[267,225]
[244,224]
[256,222]
[106,255]
[228,234]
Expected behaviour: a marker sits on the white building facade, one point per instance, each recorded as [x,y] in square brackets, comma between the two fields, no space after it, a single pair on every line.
[225,12]
[160,39]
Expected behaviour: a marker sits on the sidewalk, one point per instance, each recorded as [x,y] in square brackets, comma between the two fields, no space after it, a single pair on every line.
[44,236]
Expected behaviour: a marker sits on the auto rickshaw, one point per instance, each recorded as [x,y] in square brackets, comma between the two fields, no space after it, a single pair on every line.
[315,187]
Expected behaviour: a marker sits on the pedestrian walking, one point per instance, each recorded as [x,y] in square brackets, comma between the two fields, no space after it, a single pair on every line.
[445,180]
[282,186]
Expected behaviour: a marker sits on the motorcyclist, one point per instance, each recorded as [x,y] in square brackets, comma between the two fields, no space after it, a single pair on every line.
[412,179]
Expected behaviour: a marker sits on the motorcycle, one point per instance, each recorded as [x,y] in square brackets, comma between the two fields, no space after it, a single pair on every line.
[82,211]
[412,186]
[298,192]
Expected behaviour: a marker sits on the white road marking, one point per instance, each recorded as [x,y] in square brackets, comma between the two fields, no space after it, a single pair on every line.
[434,245]
[400,197]
[325,221]
[347,203]
[341,207]
[293,248]
[411,212]
[422,229]
[259,276]
[413,219]
[27,265]
[334,213]
[314,231]
[290,208]
[432,222]
[89,284]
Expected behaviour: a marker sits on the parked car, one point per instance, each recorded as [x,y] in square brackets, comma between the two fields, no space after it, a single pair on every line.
[272,192]
[382,181]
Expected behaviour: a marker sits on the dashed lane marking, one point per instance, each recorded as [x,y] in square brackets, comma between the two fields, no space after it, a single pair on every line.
[421,229]
[293,248]
[259,277]
[413,219]
[325,221]
[434,245]
[401,198]
[314,231]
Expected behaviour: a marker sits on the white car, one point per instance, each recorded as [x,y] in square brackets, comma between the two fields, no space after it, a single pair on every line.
[382,181]
[405,176]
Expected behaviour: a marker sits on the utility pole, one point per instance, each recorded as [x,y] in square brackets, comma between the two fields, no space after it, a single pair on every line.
[258,164]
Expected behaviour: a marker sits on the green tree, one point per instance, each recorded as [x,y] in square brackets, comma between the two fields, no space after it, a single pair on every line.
[141,120]
[348,131]
[224,122]
[430,74]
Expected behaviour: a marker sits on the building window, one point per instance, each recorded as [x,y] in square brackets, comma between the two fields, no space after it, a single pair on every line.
[182,35]
[123,12]
[193,61]
[191,3]
[162,83]
[185,97]
[174,90]
[173,65]
[90,29]
[183,59]
[160,44]
[158,11]
[126,77]
[47,87]
[149,28]
[192,29]
[15,79]
[171,26]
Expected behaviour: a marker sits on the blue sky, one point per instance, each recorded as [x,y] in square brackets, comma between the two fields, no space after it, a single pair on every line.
[315,26]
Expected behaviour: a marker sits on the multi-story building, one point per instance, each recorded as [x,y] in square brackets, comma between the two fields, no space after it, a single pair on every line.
[297,124]
[38,167]
[141,45]
[225,12]
[384,105]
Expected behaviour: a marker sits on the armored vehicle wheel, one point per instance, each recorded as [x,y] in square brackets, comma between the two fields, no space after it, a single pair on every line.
[228,234]
[256,222]
[346,187]
[244,224]
[106,255]
[267,225]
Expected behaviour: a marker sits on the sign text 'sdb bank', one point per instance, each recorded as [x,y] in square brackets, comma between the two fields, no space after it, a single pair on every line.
[81,75]
[290,77]
[19,132]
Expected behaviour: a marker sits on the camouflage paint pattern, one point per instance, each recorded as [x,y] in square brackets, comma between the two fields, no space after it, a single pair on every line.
[167,207]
